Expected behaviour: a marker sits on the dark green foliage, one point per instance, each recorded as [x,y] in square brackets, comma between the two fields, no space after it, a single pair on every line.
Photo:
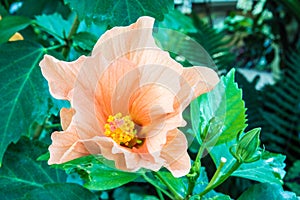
[267,191]
[252,99]
[215,43]
[10,25]
[120,12]
[23,90]
[292,179]
[22,177]
[281,111]
[32,8]
[133,193]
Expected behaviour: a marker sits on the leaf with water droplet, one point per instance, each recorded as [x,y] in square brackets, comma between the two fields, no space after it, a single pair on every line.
[98,173]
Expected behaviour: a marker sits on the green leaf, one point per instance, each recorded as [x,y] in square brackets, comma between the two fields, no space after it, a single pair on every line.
[84,40]
[98,173]
[9,25]
[133,193]
[292,177]
[279,107]
[24,91]
[218,116]
[60,191]
[118,12]
[22,177]
[267,191]
[179,184]
[32,8]
[134,196]
[55,25]
[177,21]
[269,168]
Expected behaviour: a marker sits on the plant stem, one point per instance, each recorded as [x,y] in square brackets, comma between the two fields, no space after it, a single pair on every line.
[195,171]
[149,180]
[75,25]
[53,126]
[160,195]
[6,4]
[216,175]
[173,191]
[213,183]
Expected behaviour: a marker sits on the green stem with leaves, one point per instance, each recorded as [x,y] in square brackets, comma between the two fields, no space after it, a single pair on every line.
[49,126]
[160,195]
[172,190]
[66,49]
[195,171]
[217,179]
[157,187]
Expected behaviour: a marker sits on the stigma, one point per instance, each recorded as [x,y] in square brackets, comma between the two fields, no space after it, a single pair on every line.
[122,130]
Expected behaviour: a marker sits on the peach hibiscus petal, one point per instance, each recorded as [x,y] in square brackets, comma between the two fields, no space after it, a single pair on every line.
[155,87]
[194,82]
[89,120]
[107,91]
[154,56]
[175,154]
[124,158]
[65,146]
[61,75]
[127,74]
[150,103]
[122,40]
[66,116]
[136,43]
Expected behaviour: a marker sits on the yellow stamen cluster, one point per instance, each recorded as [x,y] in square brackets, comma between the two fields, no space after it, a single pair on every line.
[121,130]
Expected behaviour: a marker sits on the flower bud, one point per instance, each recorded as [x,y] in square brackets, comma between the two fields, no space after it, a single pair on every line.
[246,149]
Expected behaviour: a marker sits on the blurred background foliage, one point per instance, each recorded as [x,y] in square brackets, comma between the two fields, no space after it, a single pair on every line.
[261,38]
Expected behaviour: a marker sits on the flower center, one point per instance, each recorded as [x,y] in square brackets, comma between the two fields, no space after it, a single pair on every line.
[122,130]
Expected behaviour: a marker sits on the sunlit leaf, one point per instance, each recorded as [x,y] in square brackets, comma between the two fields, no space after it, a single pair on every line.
[98,173]
[22,177]
[118,12]
[9,25]
[220,113]
[269,168]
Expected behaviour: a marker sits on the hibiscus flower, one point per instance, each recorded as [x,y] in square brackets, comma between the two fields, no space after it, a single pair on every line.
[127,100]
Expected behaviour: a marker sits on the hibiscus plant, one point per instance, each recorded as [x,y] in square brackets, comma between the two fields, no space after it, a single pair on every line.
[107,100]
